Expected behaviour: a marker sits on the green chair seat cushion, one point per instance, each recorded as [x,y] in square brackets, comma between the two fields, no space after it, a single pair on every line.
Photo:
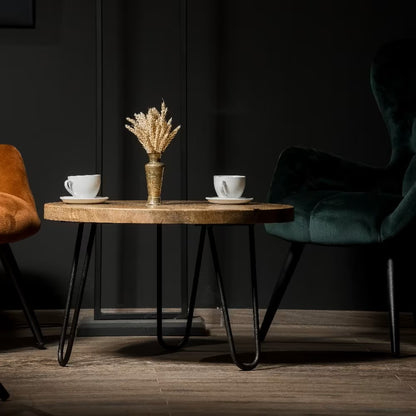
[336,218]
[18,218]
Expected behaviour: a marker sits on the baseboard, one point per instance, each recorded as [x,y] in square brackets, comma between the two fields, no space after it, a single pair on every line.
[212,316]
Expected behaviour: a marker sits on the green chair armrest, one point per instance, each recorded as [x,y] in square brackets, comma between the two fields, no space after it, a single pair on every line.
[401,217]
[301,169]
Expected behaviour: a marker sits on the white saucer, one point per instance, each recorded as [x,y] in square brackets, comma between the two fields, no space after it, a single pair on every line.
[73,200]
[218,200]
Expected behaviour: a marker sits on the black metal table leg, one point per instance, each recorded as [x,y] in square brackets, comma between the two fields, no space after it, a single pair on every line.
[12,269]
[4,394]
[64,355]
[237,362]
[194,290]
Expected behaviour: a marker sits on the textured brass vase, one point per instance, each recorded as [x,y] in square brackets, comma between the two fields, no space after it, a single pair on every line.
[154,178]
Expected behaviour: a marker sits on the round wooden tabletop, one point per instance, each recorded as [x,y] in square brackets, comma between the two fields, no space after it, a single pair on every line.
[169,212]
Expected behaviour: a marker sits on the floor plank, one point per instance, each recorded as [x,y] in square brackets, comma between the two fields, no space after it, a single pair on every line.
[305,370]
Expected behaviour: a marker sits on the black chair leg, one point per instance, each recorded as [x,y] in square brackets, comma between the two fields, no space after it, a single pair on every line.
[4,394]
[12,269]
[393,310]
[286,273]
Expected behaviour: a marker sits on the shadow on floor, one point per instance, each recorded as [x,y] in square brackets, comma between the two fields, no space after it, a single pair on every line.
[153,349]
[11,409]
[8,342]
[216,351]
[307,357]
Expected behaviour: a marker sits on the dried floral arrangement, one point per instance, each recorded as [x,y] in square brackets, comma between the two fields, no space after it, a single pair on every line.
[152,130]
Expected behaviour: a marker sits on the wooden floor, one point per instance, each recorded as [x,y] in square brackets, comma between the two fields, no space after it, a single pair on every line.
[305,370]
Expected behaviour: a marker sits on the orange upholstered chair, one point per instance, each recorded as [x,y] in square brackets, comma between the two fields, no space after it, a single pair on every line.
[18,220]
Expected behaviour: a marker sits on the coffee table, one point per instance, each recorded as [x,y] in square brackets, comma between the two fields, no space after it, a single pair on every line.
[201,213]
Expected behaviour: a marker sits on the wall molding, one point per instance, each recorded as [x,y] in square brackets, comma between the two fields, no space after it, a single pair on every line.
[213,317]
[99,144]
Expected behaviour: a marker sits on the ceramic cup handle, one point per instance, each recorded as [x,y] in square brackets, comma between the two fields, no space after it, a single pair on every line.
[224,189]
[68,186]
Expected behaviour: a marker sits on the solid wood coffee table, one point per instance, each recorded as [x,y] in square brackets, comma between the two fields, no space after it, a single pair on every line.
[199,213]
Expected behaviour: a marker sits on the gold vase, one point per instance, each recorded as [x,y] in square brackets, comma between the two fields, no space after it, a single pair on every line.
[154,178]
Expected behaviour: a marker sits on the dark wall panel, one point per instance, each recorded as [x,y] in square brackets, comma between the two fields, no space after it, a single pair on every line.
[47,78]
[17,13]
[142,66]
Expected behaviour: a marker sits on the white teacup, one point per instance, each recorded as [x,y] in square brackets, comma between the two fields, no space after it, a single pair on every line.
[83,186]
[229,186]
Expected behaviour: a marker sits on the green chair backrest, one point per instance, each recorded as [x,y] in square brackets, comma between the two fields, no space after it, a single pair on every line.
[393,81]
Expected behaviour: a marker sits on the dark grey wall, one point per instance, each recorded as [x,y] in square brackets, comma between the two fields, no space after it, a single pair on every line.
[259,77]
[47,101]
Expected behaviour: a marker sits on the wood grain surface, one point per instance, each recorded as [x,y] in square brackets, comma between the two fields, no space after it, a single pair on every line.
[305,370]
[169,212]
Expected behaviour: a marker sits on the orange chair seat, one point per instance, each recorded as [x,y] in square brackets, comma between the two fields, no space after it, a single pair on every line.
[18,218]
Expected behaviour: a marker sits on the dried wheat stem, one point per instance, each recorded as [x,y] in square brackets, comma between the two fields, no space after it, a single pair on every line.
[152,130]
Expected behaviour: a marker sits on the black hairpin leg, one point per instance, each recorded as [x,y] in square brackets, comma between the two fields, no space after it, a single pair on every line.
[393,309]
[12,269]
[286,273]
[237,362]
[4,394]
[191,307]
[63,356]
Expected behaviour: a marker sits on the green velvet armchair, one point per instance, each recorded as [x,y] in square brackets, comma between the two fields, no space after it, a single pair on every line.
[342,203]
